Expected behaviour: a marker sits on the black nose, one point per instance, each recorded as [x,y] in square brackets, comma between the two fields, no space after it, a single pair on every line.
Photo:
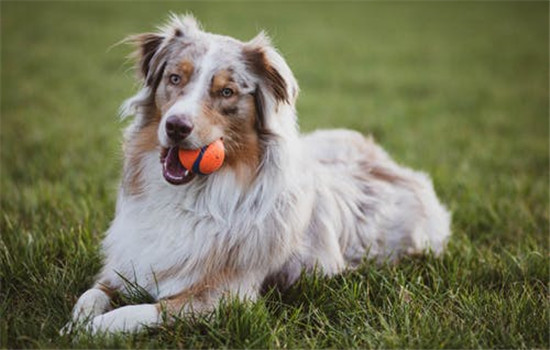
[178,127]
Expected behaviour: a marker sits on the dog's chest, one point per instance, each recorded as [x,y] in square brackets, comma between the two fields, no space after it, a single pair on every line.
[172,237]
[159,246]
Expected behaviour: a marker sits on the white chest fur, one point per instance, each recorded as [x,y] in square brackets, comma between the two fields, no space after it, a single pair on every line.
[169,237]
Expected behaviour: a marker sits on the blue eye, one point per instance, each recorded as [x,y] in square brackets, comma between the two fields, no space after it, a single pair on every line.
[175,79]
[226,92]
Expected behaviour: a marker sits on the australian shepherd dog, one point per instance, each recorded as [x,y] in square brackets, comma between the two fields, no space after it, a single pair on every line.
[281,204]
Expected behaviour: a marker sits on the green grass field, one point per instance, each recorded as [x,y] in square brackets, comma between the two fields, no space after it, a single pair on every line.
[457,89]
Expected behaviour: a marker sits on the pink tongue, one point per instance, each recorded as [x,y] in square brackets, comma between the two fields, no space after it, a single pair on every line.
[172,169]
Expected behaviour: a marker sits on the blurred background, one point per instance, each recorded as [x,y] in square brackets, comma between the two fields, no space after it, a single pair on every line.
[457,89]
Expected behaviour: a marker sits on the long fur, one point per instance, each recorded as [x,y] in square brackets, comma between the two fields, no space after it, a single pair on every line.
[326,200]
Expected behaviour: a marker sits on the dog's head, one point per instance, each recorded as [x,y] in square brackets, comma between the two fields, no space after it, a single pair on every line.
[199,87]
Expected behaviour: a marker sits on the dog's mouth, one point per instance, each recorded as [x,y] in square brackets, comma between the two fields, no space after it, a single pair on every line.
[172,169]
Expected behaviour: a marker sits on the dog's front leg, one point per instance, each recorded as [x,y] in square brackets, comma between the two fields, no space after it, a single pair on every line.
[134,318]
[128,319]
[199,299]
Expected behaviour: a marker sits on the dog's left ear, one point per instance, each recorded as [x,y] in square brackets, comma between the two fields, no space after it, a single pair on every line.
[276,81]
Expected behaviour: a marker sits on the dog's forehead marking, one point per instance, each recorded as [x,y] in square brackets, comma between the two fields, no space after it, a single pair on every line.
[186,67]
[228,59]
[221,79]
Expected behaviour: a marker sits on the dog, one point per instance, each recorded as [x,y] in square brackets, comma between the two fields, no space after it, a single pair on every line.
[282,203]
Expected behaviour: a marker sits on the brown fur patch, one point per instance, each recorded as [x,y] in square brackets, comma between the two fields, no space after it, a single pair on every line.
[186,68]
[242,141]
[168,273]
[221,80]
[148,44]
[242,149]
[386,175]
[258,62]
[105,289]
[200,296]
[260,122]
[138,144]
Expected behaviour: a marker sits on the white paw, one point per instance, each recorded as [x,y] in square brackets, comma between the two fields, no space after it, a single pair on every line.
[127,319]
[90,304]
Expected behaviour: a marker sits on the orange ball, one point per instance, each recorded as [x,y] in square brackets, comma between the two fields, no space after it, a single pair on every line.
[205,160]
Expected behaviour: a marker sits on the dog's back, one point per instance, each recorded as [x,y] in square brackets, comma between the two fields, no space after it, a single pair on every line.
[365,206]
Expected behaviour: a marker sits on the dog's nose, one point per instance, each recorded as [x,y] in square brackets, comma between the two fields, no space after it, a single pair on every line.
[178,127]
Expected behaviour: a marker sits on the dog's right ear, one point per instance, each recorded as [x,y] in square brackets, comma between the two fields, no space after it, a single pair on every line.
[276,83]
[147,45]
[152,48]
[271,68]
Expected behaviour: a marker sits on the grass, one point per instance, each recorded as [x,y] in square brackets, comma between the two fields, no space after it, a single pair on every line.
[458,89]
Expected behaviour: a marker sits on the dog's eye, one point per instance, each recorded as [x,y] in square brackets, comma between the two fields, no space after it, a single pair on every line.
[175,79]
[226,92]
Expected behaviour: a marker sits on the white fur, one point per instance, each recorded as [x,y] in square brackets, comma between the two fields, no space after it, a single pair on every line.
[128,319]
[92,303]
[328,200]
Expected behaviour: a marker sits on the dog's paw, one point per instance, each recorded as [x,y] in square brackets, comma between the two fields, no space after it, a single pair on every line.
[127,319]
[90,304]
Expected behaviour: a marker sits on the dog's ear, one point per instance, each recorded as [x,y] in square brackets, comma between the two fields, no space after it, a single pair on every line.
[152,51]
[277,84]
[147,45]
[152,48]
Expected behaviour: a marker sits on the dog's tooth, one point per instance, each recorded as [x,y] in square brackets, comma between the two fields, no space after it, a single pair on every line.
[186,173]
